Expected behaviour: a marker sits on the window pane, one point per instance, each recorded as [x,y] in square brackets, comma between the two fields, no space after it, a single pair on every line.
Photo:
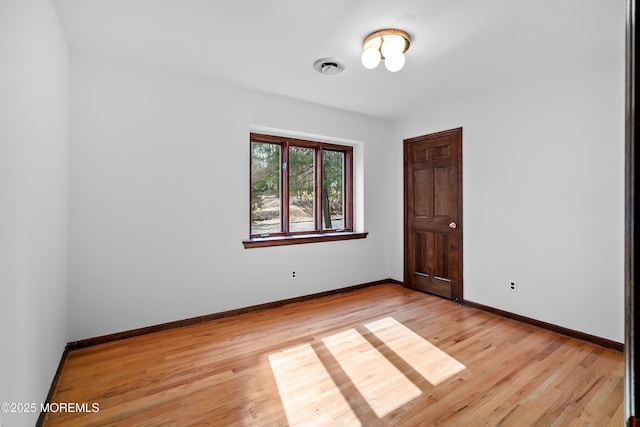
[265,188]
[301,189]
[332,190]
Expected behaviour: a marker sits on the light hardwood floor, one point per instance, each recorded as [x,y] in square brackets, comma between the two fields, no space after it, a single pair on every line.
[379,356]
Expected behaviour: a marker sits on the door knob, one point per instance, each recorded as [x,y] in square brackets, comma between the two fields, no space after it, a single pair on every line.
[452,224]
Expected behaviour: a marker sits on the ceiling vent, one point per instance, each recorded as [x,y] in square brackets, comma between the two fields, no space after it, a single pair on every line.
[328,66]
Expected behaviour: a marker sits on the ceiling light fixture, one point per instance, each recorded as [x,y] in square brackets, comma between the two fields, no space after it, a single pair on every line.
[390,45]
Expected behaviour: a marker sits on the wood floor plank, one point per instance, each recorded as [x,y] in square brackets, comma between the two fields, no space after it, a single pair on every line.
[378,356]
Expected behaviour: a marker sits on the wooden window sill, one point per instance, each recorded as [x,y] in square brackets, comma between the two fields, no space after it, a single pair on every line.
[298,239]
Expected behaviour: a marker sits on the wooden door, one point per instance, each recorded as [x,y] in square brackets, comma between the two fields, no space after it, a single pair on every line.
[433,213]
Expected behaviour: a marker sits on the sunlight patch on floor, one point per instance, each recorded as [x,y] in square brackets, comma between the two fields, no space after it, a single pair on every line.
[428,360]
[309,395]
[379,382]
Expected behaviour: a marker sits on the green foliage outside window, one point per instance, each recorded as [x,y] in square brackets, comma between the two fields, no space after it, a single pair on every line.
[267,166]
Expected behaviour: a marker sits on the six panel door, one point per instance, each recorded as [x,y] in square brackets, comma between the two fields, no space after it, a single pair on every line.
[433,213]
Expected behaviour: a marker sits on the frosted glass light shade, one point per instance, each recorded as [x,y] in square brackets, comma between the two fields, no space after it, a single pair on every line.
[370,58]
[388,45]
[392,45]
[394,62]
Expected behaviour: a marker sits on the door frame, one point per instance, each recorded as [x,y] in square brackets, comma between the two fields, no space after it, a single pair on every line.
[457,292]
[632,296]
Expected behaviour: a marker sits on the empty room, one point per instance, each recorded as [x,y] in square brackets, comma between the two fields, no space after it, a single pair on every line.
[280,212]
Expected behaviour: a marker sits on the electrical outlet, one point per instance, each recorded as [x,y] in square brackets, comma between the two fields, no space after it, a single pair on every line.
[513,286]
[293,275]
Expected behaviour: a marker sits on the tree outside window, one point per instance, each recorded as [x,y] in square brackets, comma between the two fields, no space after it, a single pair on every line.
[299,186]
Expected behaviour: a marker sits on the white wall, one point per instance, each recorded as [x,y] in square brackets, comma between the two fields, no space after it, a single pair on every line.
[543,166]
[33,202]
[159,199]
[159,196]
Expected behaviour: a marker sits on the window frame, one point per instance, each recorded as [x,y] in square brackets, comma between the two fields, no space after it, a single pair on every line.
[285,236]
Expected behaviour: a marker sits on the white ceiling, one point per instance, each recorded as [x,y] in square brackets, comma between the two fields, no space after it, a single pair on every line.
[458,47]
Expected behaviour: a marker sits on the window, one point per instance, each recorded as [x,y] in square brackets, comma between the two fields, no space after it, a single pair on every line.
[301,191]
